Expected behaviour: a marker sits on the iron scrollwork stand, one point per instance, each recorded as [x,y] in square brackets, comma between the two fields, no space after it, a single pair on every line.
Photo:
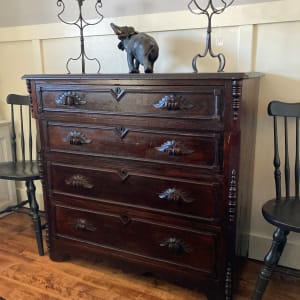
[81,23]
[209,10]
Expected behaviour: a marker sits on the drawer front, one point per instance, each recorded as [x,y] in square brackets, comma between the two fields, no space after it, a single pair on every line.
[129,234]
[190,102]
[200,200]
[194,149]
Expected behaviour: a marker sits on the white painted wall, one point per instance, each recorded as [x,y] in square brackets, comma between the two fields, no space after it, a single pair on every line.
[8,195]
[262,37]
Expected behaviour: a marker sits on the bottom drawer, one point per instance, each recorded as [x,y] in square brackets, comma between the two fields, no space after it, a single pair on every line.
[129,234]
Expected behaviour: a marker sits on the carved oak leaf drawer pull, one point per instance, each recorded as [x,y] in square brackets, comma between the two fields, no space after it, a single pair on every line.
[70,99]
[77,138]
[176,246]
[174,148]
[172,102]
[79,181]
[174,195]
[82,224]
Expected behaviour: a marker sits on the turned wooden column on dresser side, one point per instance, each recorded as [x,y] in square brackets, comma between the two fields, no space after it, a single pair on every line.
[152,172]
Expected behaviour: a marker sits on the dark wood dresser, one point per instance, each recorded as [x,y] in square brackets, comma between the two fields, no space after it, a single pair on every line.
[151,172]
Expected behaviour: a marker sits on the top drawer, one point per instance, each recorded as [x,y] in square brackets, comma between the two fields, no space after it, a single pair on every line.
[187,102]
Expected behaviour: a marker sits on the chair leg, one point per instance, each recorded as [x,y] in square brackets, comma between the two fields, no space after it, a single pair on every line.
[270,262]
[35,215]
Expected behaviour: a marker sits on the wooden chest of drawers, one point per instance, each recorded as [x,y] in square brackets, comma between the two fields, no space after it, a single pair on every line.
[152,172]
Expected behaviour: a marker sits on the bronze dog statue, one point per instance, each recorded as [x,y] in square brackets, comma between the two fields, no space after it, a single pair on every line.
[141,48]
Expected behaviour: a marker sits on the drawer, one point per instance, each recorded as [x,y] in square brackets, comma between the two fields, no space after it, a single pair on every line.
[130,234]
[162,146]
[199,200]
[187,102]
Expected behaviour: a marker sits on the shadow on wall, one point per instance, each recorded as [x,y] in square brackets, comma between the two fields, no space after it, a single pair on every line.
[180,53]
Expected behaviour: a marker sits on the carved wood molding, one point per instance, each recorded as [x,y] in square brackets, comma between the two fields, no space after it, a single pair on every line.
[123,174]
[118,93]
[121,131]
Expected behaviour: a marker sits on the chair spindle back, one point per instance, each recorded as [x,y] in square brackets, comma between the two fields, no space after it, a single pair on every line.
[285,111]
[23,104]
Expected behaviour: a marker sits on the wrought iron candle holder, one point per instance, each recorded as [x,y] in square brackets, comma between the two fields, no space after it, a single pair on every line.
[209,11]
[81,23]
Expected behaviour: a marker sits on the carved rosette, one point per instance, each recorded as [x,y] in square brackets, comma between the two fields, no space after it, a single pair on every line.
[232,197]
[236,98]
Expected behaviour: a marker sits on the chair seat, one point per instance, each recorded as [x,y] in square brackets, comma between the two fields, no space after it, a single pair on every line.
[284,214]
[27,170]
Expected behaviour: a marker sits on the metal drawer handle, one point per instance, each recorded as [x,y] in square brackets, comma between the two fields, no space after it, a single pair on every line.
[174,148]
[172,102]
[79,181]
[174,195]
[77,138]
[70,99]
[176,246]
[82,224]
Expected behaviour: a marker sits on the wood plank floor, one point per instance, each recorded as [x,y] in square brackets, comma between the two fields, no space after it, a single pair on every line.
[25,275]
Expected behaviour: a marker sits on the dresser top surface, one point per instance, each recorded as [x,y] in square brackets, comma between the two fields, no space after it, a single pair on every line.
[142,76]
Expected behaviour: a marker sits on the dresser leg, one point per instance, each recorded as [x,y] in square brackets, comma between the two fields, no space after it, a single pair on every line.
[58,257]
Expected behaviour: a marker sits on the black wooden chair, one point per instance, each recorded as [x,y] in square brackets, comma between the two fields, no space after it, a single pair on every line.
[284,210]
[24,169]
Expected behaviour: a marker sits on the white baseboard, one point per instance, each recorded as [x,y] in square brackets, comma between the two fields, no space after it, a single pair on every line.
[260,245]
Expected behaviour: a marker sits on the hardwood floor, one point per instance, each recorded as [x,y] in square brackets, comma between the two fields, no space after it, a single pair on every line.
[25,275]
